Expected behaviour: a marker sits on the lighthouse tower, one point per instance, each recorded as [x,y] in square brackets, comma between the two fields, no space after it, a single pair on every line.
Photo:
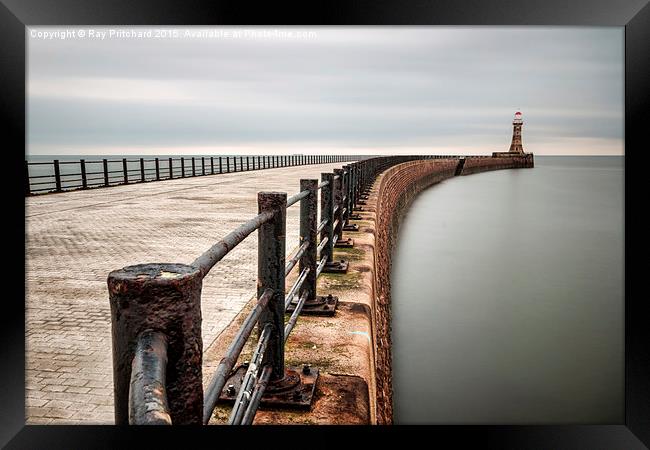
[516,156]
[516,146]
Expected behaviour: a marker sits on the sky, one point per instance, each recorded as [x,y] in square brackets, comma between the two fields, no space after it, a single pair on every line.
[360,90]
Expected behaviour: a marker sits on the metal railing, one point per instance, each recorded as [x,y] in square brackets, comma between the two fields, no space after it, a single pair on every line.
[164,299]
[59,175]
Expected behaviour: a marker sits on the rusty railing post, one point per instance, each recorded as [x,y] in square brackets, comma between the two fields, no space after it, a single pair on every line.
[182,167]
[338,204]
[57,175]
[351,180]
[27,186]
[157,170]
[84,179]
[105,166]
[346,193]
[270,275]
[353,186]
[171,169]
[165,298]
[326,213]
[125,170]
[308,226]
[142,170]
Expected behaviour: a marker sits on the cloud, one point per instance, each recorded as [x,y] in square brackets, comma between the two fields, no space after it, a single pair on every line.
[344,88]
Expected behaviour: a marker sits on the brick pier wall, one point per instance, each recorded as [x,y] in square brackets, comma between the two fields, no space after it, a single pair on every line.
[397,188]
[476,165]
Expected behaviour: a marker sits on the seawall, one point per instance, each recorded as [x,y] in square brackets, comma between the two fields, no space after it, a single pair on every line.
[396,189]
[352,349]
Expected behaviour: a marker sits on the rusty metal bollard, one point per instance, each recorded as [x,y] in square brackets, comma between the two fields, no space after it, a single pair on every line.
[164,298]
[340,213]
[326,213]
[308,226]
[338,202]
[271,247]
[334,226]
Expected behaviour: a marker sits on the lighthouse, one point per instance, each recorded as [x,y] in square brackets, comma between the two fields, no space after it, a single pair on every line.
[517,123]
[516,151]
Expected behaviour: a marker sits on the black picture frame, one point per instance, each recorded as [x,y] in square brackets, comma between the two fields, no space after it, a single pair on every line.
[15,15]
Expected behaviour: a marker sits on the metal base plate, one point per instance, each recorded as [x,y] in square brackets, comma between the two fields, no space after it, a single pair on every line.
[296,391]
[351,226]
[323,305]
[340,266]
[345,243]
[354,217]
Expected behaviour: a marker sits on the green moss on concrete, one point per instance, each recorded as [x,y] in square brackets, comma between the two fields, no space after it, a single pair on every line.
[353,254]
[342,281]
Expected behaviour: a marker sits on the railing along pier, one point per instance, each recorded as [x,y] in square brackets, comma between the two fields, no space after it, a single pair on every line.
[58,176]
[156,313]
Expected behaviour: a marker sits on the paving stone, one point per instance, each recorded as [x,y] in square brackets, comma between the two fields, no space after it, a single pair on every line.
[74,239]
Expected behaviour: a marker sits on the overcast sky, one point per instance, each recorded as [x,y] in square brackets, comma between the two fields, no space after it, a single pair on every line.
[329,90]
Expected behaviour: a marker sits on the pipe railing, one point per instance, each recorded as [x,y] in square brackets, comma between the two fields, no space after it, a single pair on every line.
[167,296]
[65,175]
[147,394]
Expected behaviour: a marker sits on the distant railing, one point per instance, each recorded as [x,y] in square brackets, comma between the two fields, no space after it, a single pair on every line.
[59,176]
[165,299]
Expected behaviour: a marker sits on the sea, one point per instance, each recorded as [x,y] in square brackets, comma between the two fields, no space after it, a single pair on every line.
[508,297]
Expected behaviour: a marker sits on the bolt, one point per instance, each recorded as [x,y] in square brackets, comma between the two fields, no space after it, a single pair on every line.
[305,369]
[246,363]
[231,389]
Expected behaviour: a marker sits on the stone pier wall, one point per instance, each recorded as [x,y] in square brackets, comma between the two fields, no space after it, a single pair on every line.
[476,165]
[396,189]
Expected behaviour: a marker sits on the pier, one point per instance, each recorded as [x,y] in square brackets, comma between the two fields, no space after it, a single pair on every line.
[75,239]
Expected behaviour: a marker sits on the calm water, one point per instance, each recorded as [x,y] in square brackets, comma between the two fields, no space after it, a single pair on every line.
[507,297]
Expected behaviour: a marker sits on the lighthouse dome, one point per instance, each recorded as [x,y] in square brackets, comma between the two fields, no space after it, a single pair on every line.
[518,117]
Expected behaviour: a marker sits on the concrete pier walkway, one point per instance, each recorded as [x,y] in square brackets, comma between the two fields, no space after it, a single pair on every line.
[74,239]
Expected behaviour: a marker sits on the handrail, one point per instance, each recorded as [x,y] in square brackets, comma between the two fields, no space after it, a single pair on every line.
[340,192]
[294,317]
[296,286]
[256,396]
[215,253]
[243,396]
[294,259]
[294,199]
[148,396]
[228,361]
[143,170]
